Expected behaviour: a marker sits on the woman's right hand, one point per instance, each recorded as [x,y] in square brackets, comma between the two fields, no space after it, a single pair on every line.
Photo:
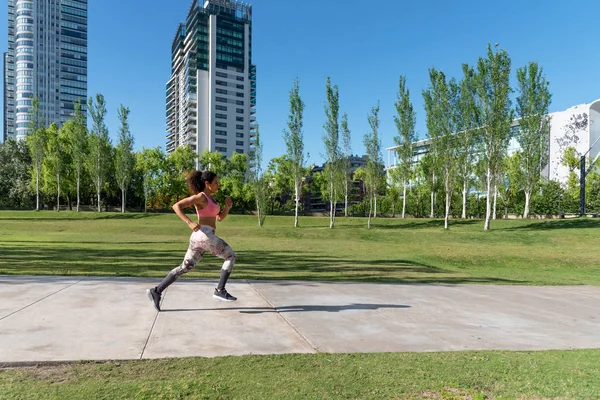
[194,226]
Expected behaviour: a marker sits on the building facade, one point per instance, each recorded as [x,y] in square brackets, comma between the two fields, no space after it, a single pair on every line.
[211,95]
[578,127]
[47,59]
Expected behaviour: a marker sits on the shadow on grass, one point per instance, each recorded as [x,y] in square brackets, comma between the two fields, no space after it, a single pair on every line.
[289,309]
[431,223]
[576,223]
[253,264]
[79,217]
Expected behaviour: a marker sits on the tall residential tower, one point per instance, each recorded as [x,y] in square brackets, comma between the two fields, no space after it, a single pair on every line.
[47,58]
[211,96]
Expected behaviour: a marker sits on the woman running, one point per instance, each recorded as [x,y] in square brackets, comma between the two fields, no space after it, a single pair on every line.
[203,185]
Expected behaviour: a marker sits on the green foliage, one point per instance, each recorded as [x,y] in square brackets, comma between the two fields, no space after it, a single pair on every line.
[124,157]
[15,160]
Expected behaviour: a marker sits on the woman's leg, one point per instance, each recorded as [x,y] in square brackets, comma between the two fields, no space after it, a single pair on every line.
[221,249]
[192,257]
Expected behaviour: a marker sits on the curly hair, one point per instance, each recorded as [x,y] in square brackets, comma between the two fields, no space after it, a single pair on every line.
[196,180]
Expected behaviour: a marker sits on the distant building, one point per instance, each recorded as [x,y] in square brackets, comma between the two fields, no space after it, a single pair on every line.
[211,96]
[563,133]
[47,58]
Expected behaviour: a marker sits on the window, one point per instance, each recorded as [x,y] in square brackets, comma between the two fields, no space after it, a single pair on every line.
[240,87]
[239,110]
[221,141]
[221,149]
[239,151]
[221,108]
[221,124]
[239,142]
[238,94]
[239,119]
[221,74]
[220,133]
[221,116]
[239,102]
[240,78]
[239,127]
[221,91]
[222,83]
[239,135]
[221,99]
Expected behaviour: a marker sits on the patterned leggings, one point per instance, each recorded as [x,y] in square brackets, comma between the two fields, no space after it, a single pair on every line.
[200,242]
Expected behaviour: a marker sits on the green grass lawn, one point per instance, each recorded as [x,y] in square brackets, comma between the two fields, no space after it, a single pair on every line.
[523,252]
[457,375]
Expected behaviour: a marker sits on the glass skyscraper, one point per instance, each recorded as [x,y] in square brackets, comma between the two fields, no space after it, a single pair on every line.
[47,58]
[211,96]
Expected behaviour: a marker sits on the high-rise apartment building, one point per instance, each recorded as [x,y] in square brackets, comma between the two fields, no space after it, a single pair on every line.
[47,58]
[211,96]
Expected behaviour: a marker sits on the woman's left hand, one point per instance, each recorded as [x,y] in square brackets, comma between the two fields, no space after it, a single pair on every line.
[228,203]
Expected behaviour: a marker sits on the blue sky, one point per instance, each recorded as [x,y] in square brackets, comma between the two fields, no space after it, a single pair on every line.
[363,47]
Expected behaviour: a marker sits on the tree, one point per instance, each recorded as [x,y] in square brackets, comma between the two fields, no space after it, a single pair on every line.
[15,174]
[534,127]
[76,132]
[280,179]
[467,132]
[98,160]
[257,178]
[440,105]
[512,180]
[175,166]
[294,142]
[124,158]
[213,161]
[332,146]
[148,164]
[495,115]
[56,161]
[347,153]
[372,144]
[36,142]
[405,124]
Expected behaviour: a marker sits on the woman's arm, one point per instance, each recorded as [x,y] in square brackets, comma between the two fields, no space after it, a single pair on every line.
[178,207]
[228,204]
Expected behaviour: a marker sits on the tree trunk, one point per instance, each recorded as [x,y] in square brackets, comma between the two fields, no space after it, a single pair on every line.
[346,200]
[331,212]
[404,200]
[488,204]
[464,205]
[296,190]
[370,210]
[506,211]
[98,184]
[447,214]
[527,199]
[57,192]
[393,209]
[495,198]
[258,211]
[431,214]
[122,201]
[78,180]
[375,202]
[37,190]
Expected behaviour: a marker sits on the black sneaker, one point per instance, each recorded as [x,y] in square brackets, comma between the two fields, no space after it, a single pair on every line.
[223,295]
[154,297]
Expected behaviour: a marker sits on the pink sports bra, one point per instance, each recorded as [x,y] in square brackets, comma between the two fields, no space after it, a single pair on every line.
[211,209]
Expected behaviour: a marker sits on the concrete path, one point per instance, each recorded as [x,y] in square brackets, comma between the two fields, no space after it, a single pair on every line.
[90,318]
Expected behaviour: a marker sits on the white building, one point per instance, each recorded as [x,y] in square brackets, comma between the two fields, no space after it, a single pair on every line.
[211,96]
[578,126]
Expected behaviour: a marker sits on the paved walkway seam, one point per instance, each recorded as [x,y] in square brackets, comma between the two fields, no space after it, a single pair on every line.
[43,298]
[283,317]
